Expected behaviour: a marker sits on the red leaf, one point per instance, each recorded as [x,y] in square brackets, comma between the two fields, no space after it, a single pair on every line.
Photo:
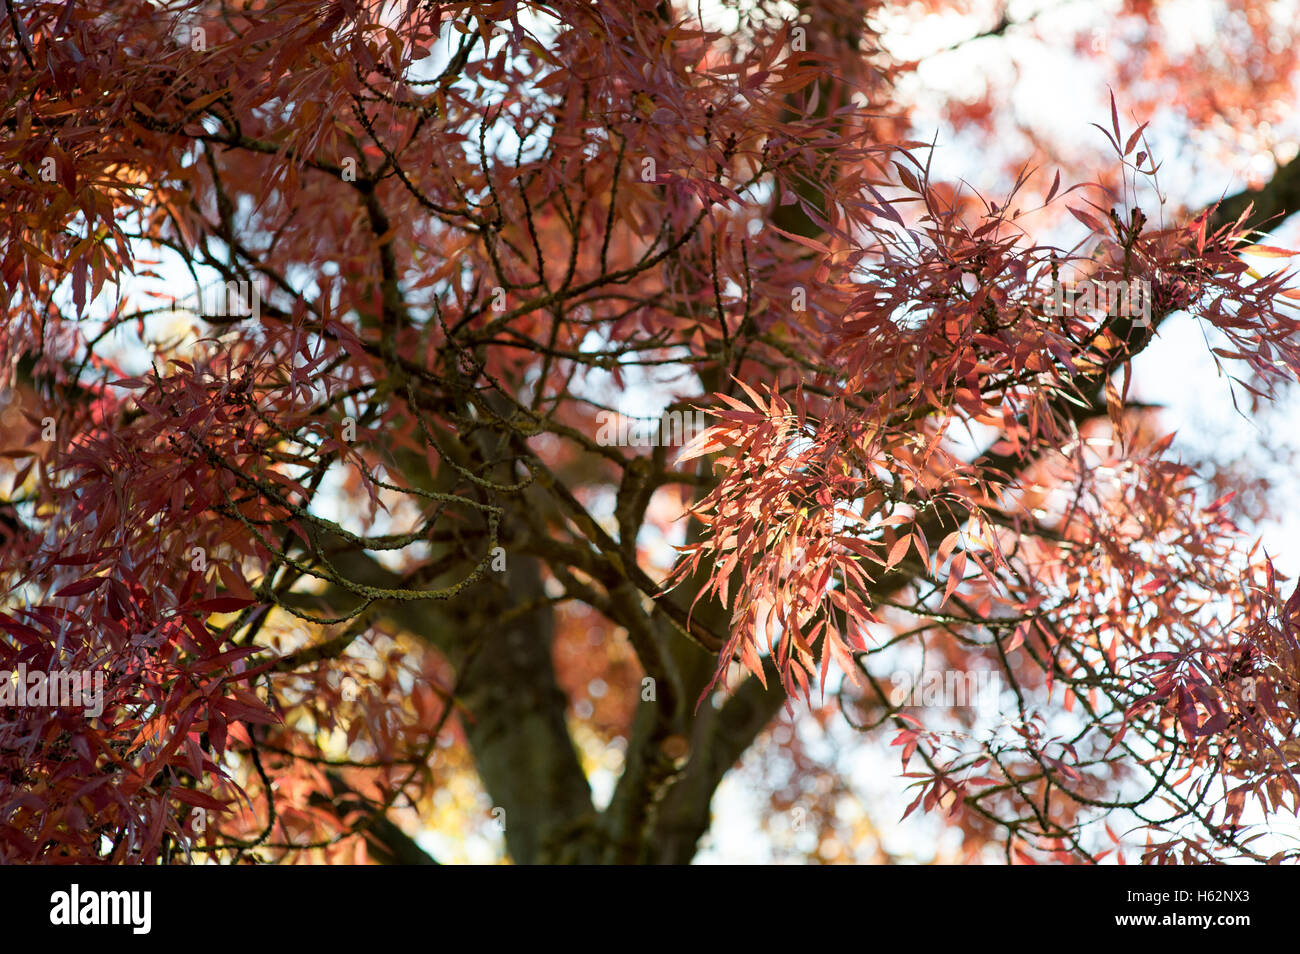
[222,604]
[1086,219]
[82,586]
[898,551]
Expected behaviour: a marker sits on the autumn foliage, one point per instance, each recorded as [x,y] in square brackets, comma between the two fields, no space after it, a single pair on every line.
[340,553]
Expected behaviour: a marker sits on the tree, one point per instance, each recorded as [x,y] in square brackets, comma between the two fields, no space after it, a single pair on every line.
[359,518]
